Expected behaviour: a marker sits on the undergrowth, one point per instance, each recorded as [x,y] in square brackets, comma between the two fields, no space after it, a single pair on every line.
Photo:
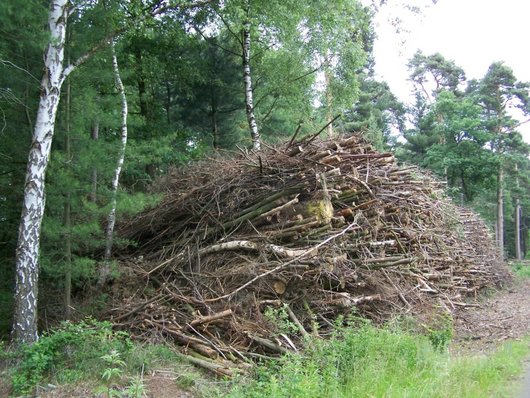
[366,361]
[88,350]
[358,360]
[521,270]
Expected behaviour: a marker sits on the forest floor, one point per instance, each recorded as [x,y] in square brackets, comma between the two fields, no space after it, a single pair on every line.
[505,315]
[502,315]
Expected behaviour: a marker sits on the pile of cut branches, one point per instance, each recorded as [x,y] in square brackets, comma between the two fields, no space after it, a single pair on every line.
[245,255]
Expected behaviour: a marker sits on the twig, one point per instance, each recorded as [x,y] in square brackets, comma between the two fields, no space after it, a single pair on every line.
[284,265]
[312,138]
[296,321]
[294,136]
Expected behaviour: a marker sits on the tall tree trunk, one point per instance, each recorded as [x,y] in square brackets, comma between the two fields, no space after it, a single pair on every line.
[111,219]
[27,269]
[518,252]
[142,86]
[464,194]
[249,101]
[500,210]
[94,136]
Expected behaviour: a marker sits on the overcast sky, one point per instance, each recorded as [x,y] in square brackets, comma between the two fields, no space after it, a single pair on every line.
[473,33]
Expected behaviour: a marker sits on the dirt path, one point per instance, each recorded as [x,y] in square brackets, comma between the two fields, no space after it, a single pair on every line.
[504,315]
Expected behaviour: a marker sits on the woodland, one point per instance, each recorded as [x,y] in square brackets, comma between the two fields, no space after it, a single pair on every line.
[152,140]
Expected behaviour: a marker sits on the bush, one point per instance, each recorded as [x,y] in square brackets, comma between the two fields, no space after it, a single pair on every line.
[521,270]
[69,352]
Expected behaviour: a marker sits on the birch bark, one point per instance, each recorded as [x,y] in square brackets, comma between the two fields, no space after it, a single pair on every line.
[27,270]
[111,219]
[249,101]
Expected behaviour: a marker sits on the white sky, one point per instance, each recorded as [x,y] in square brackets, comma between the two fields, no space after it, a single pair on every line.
[473,33]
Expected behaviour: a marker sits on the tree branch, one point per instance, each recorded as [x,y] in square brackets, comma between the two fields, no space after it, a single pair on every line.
[9,63]
[214,43]
[227,25]
[311,250]
[106,41]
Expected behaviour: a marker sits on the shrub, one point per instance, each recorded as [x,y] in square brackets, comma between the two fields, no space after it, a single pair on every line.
[70,351]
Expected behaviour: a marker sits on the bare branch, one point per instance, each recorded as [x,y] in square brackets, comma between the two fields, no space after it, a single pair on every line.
[310,251]
[227,25]
[9,63]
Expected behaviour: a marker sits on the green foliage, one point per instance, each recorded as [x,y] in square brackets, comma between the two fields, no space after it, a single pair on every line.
[521,270]
[112,372]
[69,352]
[440,331]
[279,320]
[135,389]
[372,362]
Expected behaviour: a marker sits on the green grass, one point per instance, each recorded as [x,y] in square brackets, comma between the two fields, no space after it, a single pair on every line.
[372,362]
[89,351]
[521,270]
[357,361]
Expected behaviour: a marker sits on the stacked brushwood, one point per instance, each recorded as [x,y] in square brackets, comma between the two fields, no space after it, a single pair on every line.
[245,255]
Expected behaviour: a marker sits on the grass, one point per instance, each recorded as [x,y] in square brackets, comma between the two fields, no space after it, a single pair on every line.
[357,361]
[92,352]
[372,362]
[521,270]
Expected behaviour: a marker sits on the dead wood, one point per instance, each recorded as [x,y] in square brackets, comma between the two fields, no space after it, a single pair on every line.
[321,228]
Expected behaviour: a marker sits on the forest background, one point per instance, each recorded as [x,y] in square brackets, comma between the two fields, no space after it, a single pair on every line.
[205,76]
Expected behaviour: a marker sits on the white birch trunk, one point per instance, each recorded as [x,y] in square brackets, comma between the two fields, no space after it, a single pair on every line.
[111,219]
[249,101]
[27,254]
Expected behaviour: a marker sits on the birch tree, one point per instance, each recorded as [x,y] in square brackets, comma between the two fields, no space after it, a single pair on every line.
[24,328]
[111,219]
[27,269]
[247,78]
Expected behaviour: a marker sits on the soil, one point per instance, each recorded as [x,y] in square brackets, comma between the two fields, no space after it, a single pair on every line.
[159,384]
[501,315]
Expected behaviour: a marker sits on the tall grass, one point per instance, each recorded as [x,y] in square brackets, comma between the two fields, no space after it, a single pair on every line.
[373,362]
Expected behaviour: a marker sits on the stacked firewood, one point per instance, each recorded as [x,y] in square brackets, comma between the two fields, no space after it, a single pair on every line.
[308,231]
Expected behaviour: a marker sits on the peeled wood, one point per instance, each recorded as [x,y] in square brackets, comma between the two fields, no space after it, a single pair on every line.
[268,344]
[218,369]
[210,318]
[248,245]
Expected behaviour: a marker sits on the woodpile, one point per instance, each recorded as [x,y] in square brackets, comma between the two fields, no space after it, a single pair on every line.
[308,231]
